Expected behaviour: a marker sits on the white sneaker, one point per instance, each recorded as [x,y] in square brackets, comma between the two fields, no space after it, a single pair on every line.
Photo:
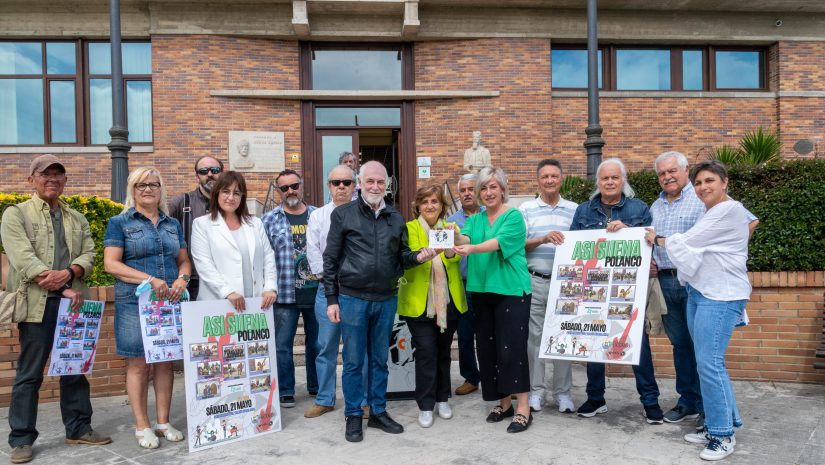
[425,418]
[565,403]
[444,410]
[717,448]
[703,437]
[536,402]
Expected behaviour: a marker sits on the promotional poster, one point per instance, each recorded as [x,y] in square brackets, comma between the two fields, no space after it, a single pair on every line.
[231,373]
[598,294]
[75,338]
[161,324]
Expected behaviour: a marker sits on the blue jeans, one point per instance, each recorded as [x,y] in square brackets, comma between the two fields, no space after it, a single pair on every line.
[467,364]
[645,377]
[365,327]
[326,363]
[711,324]
[286,324]
[684,359]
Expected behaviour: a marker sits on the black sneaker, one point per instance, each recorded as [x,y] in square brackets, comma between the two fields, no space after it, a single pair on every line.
[591,408]
[680,413]
[497,414]
[383,422]
[287,401]
[355,429]
[653,414]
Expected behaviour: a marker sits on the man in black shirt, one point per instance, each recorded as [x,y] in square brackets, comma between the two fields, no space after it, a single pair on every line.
[186,207]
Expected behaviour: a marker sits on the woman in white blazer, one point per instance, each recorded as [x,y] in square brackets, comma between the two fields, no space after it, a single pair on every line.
[231,250]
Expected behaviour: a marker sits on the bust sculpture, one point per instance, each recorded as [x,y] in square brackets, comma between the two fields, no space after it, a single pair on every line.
[242,159]
[477,156]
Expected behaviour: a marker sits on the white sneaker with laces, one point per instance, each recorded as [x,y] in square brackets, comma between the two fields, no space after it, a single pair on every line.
[536,402]
[717,448]
[425,418]
[703,437]
[444,410]
[565,403]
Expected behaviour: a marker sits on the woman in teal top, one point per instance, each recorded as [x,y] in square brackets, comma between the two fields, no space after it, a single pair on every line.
[429,299]
[500,284]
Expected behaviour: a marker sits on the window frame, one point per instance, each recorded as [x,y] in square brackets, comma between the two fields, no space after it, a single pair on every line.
[610,70]
[81,80]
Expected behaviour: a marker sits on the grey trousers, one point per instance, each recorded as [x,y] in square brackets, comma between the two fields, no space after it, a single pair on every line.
[562,369]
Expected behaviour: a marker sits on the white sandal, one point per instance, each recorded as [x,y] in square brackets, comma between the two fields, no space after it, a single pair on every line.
[169,432]
[147,439]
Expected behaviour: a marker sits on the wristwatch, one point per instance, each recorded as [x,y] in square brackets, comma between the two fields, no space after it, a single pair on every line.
[185,277]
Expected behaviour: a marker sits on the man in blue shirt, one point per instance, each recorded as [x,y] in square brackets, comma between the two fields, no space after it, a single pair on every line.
[467,364]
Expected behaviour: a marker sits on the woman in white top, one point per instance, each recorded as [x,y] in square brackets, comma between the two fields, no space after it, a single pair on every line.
[711,259]
[231,251]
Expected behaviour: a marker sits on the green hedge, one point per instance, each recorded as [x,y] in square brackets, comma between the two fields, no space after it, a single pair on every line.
[98,211]
[786,198]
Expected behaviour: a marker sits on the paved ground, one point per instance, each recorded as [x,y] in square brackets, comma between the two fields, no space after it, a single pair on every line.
[784,424]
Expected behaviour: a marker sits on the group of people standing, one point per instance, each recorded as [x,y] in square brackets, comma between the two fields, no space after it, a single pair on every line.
[347,268]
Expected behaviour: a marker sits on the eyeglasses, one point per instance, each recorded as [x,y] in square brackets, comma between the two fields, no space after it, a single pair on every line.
[338,182]
[290,186]
[142,186]
[208,169]
[229,193]
[51,176]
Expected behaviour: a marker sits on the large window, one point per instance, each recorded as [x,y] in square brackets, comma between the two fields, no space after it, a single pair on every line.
[662,68]
[60,92]
[345,67]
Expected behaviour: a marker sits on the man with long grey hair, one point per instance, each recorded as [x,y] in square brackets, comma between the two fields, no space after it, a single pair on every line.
[613,207]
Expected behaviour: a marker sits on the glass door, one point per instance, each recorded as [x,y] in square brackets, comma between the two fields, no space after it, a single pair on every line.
[331,143]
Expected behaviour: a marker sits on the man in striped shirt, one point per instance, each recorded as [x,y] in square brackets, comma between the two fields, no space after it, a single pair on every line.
[545,216]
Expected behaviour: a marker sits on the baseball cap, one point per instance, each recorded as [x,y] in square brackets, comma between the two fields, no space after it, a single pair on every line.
[42,162]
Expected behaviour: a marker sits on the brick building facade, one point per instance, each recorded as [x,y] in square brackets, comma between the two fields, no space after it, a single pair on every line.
[467,65]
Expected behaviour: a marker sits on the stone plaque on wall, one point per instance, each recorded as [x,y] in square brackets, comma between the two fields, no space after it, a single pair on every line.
[256,151]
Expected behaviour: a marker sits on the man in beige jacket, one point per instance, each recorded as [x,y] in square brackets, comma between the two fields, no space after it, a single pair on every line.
[50,246]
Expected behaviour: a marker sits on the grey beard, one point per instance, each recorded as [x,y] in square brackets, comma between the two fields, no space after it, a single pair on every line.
[207,186]
[292,202]
[373,199]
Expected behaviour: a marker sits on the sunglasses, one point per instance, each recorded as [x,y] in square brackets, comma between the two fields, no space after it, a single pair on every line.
[290,186]
[338,182]
[212,169]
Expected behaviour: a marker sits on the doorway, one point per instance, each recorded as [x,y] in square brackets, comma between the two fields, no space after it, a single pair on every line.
[372,133]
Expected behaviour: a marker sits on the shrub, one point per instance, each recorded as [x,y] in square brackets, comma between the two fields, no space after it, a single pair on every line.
[783,195]
[97,211]
[756,148]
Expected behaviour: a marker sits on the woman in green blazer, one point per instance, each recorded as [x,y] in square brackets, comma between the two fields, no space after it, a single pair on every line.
[429,300]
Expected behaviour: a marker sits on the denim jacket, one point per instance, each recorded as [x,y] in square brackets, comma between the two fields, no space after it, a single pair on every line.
[630,211]
[148,248]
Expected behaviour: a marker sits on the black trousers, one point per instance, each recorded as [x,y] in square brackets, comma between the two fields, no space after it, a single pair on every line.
[35,346]
[432,358]
[501,342]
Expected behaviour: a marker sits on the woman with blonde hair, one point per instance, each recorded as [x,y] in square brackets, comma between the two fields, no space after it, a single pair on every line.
[144,246]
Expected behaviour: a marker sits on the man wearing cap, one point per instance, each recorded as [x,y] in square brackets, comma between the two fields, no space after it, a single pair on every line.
[50,246]
[186,207]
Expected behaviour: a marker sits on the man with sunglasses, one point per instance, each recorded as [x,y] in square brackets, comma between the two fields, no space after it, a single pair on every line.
[186,207]
[286,227]
[341,181]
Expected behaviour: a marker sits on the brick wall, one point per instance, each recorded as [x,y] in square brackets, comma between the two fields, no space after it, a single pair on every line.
[786,315]
[524,124]
[779,344]
[514,126]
